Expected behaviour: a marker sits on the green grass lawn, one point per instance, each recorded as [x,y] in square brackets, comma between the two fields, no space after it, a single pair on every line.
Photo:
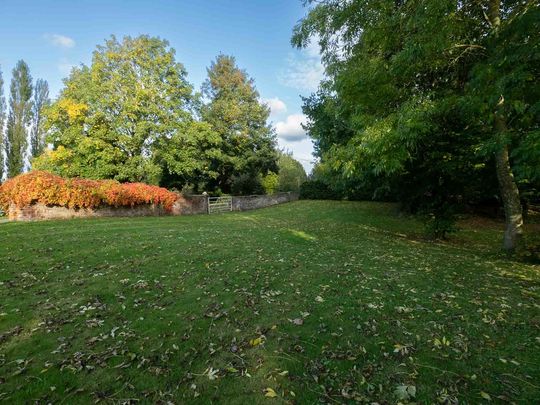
[318,301]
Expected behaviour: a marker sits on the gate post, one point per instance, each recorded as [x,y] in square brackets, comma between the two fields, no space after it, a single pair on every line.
[206,201]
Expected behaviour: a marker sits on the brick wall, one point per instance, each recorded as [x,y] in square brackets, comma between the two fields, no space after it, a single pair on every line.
[186,205]
[191,205]
[40,211]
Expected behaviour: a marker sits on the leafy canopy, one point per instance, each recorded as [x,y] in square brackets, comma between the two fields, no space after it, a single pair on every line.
[113,115]
[407,106]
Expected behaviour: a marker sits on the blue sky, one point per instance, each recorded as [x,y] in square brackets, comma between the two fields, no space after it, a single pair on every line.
[52,36]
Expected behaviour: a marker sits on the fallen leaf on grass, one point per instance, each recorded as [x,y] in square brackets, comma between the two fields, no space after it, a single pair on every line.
[211,373]
[405,392]
[269,393]
[256,342]
[485,395]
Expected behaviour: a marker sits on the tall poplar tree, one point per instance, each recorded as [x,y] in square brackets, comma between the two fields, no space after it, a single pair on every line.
[40,101]
[19,119]
[2,120]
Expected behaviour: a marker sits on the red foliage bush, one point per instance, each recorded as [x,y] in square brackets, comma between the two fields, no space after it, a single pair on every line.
[49,189]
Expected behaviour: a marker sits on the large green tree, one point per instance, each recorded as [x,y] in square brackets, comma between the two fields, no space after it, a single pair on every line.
[291,173]
[112,116]
[235,112]
[40,102]
[425,97]
[19,119]
[506,88]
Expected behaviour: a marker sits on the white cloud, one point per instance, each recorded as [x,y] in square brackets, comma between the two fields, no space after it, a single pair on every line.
[291,129]
[60,40]
[303,74]
[305,70]
[276,105]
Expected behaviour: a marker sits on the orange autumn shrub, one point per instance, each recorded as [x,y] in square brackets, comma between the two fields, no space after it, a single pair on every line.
[49,189]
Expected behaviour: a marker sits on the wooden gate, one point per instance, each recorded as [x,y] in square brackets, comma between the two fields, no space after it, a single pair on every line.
[219,204]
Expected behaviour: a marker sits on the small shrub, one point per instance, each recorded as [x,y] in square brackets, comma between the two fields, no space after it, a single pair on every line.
[529,249]
[49,189]
[270,183]
[439,220]
[439,224]
[317,190]
[246,184]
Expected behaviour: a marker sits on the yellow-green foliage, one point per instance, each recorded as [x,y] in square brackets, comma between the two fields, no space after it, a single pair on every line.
[270,183]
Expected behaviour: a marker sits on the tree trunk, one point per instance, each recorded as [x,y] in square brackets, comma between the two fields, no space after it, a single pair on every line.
[509,191]
[507,184]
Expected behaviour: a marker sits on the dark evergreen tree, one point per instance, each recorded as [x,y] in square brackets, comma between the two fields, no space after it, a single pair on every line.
[237,115]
